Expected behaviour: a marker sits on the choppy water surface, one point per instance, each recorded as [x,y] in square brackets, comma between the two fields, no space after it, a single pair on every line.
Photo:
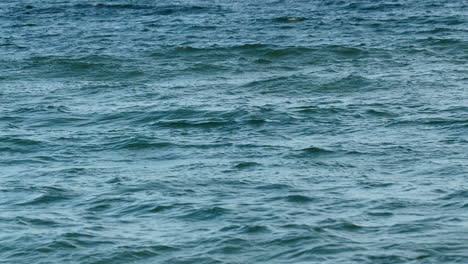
[233,131]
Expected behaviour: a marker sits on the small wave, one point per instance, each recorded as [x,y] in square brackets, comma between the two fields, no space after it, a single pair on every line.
[243,47]
[456,47]
[380,213]
[100,67]
[179,117]
[205,67]
[49,195]
[341,225]
[231,245]
[440,122]
[103,204]
[273,80]
[160,208]
[206,213]
[316,150]
[294,239]
[289,19]
[273,187]
[381,6]
[20,145]
[37,221]
[392,205]
[387,258]
[306,110]
[45,199]
[32,10]
[190,123]
[297,198]
[382,113]
[246,165]
[20,141]
[253,229]
[311,152]
[169,10]
[287,51]
[350,83]
[262,61]
[326,249]
[445,122]
[163,10]
[140,144]
[227,250]
[460,194]
[266,51]
[130,253]
[118,6]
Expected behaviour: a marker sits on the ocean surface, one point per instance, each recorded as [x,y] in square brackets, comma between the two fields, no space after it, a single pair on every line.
[235,132]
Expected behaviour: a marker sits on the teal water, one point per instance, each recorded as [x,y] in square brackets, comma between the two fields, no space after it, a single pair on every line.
[234,131]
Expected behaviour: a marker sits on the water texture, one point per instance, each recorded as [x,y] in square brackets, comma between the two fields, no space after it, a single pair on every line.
[223,131]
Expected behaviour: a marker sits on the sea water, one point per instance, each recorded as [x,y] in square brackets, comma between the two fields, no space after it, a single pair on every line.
[262,131]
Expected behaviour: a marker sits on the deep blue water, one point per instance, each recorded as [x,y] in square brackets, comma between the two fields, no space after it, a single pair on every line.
[234,131]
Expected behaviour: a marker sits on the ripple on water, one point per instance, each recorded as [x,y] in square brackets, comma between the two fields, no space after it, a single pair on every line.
[233,132]
[208,213]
